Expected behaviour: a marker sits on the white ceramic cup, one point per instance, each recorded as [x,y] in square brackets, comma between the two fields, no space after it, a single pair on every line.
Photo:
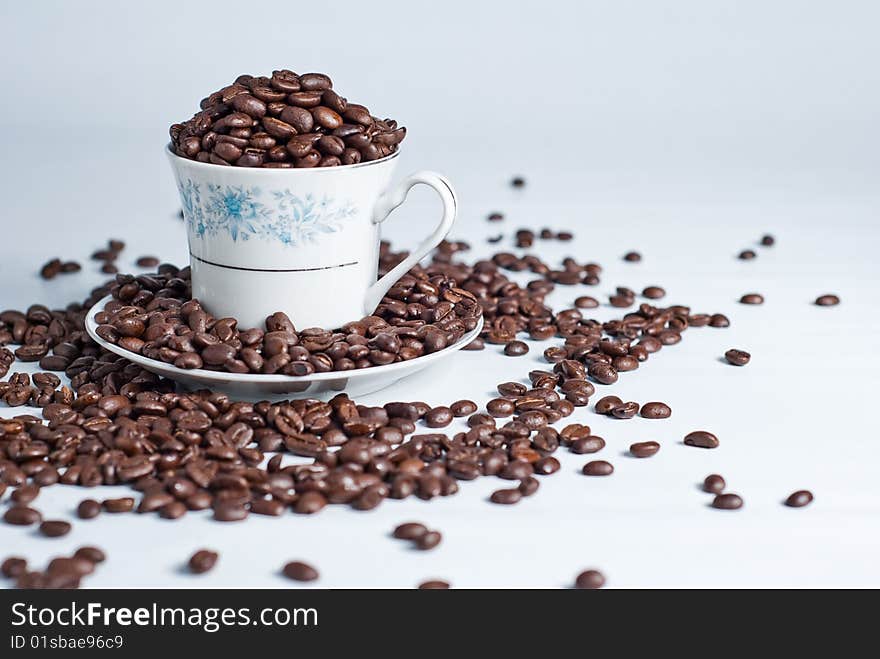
[301,241]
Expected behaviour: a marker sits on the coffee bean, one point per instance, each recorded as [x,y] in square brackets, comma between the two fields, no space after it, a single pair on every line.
[768,240]
[500,407]
[506,496]
[747,255]
[653,292]
[701,439]
[91,554]
[54,528]
[598,468]
[607,403]
[25,494]
[719,320]
[588,444]
[410,531]
[88,509]
[428,540]
[589,580]
[547,465]
[827,300]
[518,182]
[644,449]
[434,584]
[299,571]
[203,561]
[625,410]
[632,257]
[21,516]
[727,502]
[120,505]
[13,567]
[656,410]
[714,484]
[586,302]
[528,486]
[737,357]
[516,349]
[51,269]
[463,408]
[752,298]
[439,417]
[603,373]
[799,499]
[147,262]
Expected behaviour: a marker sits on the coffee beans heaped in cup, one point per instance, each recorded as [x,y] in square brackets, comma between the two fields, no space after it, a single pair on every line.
[281,121]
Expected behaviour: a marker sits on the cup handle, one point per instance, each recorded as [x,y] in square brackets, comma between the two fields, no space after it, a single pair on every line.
[391,200]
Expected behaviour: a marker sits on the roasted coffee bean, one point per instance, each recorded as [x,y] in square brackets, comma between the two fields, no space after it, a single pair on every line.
[434,584]
[547,465]
[25,494]
[500,407]
[90,554]
[438,417]
[463,408]
[768,240]
[752,298]
[727,501]
[625,410]
[54,528]
[701,439]
[203,561]
[589,580]
[428,540]
[230,511]
[88,509]
[747,255]
[653,292]
[299,571]
[632,257]
[603,373]
[656,410]
[13,567]
[827,300]
[120,505]
[51,269]
[21,516]
[586,302]
[737,357]
[516,349]
[588,444]
[799,499]
[598,468]
[518,182]
[147,262]
[644,449]
[714,484]
[506,496]
[410,531]
[607,403]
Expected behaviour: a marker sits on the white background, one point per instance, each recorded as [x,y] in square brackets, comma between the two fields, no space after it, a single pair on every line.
[685,130]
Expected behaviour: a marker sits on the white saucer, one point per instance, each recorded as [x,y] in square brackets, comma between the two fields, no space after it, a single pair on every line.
[250,386]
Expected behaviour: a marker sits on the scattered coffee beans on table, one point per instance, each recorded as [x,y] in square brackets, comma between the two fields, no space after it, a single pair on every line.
[282,121]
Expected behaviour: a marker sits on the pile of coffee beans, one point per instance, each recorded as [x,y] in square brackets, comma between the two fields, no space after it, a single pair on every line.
[284,120]
[154,316]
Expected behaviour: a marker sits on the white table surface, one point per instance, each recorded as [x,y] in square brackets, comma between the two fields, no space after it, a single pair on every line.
[686,179]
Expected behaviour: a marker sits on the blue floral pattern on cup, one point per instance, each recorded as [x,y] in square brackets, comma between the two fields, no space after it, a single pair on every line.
[244,213]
